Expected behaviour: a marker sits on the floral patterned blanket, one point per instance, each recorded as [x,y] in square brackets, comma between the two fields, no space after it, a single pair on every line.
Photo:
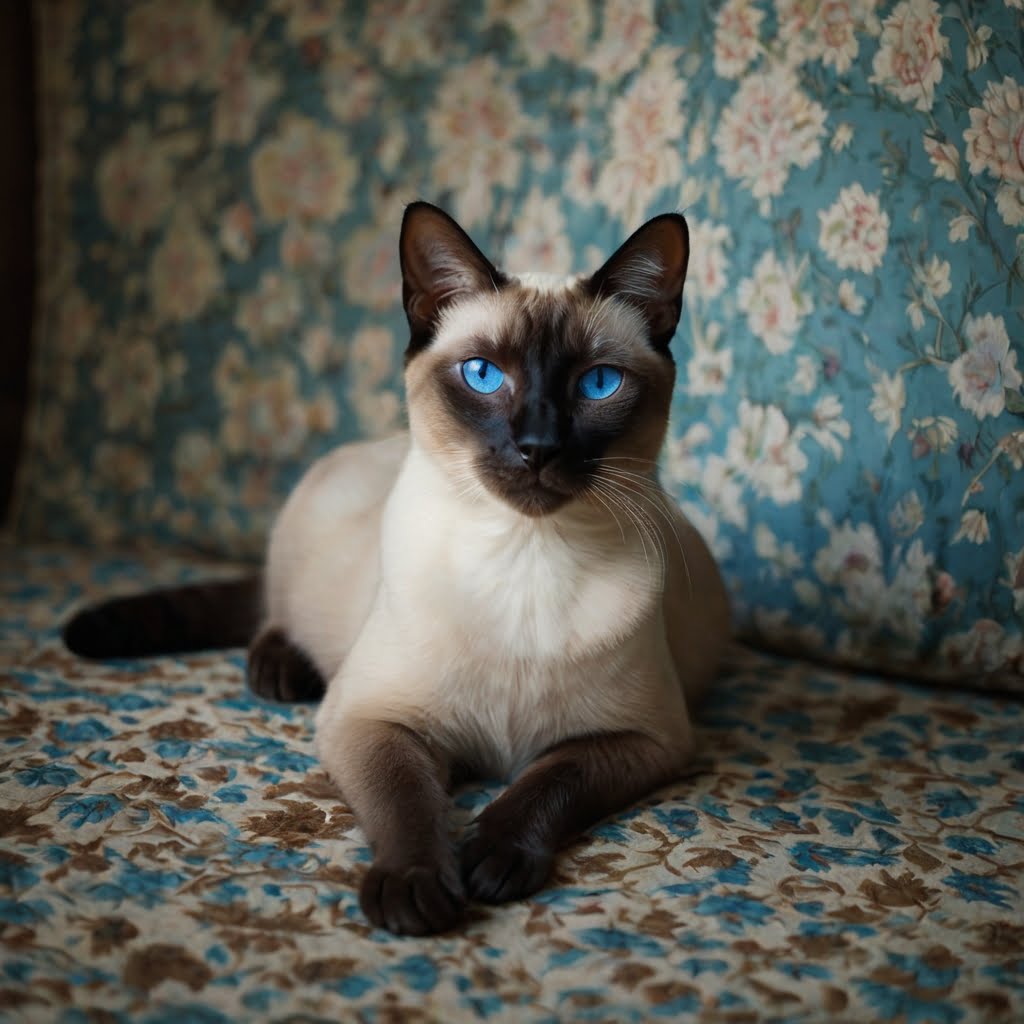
[847,848]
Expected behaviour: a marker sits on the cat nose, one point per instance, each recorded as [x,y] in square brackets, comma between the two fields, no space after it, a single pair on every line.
[537,452]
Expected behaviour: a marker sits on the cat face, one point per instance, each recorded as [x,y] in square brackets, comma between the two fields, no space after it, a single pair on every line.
[527,387]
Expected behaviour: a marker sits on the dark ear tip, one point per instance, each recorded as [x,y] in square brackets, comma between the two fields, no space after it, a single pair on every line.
[421,208]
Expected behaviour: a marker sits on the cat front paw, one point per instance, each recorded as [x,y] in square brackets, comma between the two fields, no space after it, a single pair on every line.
[498,869]
[277,670]
[414,900]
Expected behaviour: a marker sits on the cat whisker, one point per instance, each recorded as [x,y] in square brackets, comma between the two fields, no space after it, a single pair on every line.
[641,523]
[591,492]
[648,490]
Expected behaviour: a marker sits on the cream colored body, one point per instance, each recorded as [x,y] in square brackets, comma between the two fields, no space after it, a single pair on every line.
[493,633]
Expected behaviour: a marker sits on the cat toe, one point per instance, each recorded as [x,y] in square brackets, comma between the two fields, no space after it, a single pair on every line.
[419,900]
[500,870]
[277,670]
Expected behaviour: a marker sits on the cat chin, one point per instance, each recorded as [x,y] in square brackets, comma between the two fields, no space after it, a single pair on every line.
[535,501]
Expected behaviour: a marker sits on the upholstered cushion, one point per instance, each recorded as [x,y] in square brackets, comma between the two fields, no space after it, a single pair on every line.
[846,849]
[222,191]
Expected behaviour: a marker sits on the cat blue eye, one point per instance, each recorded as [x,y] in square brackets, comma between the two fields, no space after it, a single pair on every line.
[600,382]
[482,376]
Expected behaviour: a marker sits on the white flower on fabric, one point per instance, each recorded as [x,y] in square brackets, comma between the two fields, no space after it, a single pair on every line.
[985,647]
[768,127]
[647,122]
[370,272]
[707,525]
[1012,446]
[737,39]
[708,370]
[707,274]
[238,231]
[977,46]
[546,29]
[402,32]
[808,593]
[304,248]
[303,171]
[852,560]
[197,465]
[320,349]
[628,29]
[682,464]
[539,242]
[185,273]
[129,379]
[979,376]
[372,374]
[828,30]
[994,137]
[841,137]
[274,307]
[135,182]
[827,425]
[890,396]
[650,113]
[723,491]
[973,527]
[763,449]
[909,59]
[774,303]
[265,413]
[945,158]
[960,226]
[475,125]
[783,558]
[849,299]
[907,515]
[854,230]
[994,144]
[174,47]
[933,277]
[932,434]
[1010,203]
[805,380]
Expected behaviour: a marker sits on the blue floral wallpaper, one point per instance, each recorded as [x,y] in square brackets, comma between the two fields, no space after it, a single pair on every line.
[222,189]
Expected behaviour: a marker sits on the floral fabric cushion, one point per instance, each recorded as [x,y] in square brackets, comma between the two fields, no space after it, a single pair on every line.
[847,849]
[222,189]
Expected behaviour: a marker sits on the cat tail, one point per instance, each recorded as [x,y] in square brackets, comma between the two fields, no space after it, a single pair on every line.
[193,617]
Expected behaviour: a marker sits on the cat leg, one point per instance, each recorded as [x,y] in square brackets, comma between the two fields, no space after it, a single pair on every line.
[396,784]
[278,670]
[511,845]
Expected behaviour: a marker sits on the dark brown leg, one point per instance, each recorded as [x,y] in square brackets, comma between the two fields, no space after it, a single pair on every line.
[278,670]
[396,785]
[512,844]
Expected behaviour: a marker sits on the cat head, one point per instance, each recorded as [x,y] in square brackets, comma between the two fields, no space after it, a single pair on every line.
[534,387]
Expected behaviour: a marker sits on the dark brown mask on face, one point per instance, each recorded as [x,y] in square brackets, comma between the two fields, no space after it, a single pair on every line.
[533,384]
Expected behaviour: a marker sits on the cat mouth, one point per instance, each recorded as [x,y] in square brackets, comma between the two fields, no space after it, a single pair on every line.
[531,496]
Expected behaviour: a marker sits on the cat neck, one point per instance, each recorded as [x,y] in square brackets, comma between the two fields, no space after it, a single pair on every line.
[546,587]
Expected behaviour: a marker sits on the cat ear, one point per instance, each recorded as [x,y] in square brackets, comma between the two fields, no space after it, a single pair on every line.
[440,264]
[648,271]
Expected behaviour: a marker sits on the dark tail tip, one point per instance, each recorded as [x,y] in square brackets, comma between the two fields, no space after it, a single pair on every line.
[94,633]
[194,617]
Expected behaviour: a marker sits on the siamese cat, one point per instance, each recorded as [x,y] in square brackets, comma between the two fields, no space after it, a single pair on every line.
[505,590]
